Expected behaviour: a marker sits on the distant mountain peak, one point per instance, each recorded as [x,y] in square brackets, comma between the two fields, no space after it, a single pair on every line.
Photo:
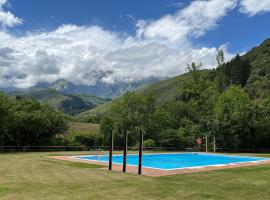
[100,89]
[62,85]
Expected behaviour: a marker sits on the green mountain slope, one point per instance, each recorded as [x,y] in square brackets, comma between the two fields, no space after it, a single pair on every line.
[163,91]
[257,84]
[69,103]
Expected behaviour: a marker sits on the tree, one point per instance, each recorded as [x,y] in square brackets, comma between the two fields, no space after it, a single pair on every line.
[236,72]
[130,112]
[220,58]
[3,116]
[261,124]
[170,138]
[30,123]
[234,118]
[193,69]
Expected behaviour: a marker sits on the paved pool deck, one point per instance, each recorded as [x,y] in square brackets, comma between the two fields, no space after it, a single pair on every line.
[158,172]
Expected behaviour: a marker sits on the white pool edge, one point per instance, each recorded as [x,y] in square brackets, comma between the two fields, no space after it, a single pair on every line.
[196,167]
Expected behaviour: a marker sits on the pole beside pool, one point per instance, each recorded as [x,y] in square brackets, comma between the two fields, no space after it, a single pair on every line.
[125,151]
[140,152]
[206,144]
[214,144]
[111,150]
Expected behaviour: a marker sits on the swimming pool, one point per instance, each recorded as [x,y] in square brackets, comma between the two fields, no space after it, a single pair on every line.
[173,161]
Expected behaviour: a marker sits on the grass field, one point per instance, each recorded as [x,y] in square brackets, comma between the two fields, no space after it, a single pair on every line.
[34,176]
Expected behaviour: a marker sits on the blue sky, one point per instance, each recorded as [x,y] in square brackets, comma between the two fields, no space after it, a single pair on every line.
[85,41]
[112,14]
[239,30]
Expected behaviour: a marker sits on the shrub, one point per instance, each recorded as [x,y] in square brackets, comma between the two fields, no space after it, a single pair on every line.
[149,143]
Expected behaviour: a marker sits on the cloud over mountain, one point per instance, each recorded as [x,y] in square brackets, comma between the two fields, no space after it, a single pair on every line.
[87,54]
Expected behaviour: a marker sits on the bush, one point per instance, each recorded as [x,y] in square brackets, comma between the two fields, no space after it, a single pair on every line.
[91,140]
[149,143]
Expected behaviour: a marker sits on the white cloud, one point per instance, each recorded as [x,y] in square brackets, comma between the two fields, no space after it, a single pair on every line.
[194,20]
[87,54]
[254,7]
[7,18]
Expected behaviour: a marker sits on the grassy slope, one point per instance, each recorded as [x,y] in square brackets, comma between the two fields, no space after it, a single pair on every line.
[83,128]
[77,128]
[101,109]
[88,98]
[166,90]
[33,176]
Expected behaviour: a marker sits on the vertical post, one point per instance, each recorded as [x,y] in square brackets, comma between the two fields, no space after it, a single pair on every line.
[111,150]
[140,152]
[206,145]
[125,151]
[214,144]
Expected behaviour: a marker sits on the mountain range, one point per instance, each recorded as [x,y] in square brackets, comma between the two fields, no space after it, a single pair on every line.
[69,103]
[74,99]
[100,89]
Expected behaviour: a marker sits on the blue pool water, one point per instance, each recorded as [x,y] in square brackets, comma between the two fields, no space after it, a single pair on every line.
[176,160]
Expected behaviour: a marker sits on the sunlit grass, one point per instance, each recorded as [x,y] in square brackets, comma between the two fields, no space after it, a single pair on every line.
[34,176]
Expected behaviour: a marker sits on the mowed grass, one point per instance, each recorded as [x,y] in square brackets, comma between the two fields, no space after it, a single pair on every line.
[35,176]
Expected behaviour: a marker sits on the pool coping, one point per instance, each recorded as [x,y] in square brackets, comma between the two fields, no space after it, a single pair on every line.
[159,172]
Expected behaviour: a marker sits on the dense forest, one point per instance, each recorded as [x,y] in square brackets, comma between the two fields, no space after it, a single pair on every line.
[230,103]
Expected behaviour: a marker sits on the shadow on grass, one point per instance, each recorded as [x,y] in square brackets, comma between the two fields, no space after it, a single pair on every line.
[72,164]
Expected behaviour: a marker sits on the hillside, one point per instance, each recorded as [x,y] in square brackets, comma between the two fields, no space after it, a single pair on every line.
[257,83]
[163,91]
[69,103]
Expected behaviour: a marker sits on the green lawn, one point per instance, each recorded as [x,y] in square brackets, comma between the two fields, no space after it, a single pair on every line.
[34,176]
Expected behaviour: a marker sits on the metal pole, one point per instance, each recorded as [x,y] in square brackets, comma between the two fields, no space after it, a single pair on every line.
[206,143]
[140,152]
[214,144]
[111,150]
[125,151]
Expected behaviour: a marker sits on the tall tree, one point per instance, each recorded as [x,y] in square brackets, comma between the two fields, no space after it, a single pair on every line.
[132,111]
